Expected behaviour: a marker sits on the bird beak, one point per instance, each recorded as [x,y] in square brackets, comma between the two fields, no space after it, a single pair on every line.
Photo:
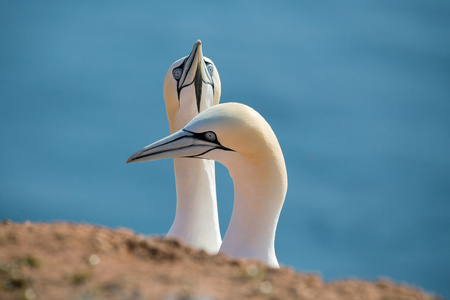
[195,74]
[180,144]
[196,67]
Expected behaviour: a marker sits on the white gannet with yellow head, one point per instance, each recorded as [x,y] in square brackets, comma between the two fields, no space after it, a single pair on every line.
[191,85]
[239,138]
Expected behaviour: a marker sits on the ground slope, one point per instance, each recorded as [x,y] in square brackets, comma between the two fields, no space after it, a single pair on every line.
[73,261]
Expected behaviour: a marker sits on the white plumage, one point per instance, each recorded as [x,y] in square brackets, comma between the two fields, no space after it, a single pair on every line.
[239,138]
[191,85]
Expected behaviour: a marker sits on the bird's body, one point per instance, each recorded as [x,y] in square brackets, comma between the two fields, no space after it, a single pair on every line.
[239,138]
[191,85]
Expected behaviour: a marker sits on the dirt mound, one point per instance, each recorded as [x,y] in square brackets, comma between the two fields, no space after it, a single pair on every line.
[71,261]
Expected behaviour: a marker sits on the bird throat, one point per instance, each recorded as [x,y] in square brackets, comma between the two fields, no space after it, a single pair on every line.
[198,86]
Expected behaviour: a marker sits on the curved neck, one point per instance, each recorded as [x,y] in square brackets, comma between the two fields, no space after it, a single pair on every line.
[259,191]
[196,218]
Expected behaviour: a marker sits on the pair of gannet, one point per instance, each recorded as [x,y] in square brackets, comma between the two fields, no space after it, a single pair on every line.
[236,136]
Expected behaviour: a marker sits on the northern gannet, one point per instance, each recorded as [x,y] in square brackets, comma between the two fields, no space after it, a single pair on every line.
[238,137]
[191,85]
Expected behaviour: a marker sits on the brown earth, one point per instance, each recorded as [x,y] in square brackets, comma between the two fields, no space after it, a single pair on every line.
[72,261]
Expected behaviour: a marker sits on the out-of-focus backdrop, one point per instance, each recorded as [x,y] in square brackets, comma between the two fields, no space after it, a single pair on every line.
[358,94]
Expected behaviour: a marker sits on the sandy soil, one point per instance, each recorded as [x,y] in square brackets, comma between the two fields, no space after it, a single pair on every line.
[73,261]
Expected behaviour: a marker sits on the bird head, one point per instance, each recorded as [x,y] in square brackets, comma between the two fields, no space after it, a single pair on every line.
[191,85]
[223,133]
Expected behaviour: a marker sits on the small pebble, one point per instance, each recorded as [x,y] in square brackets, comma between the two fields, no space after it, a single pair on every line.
[30,294]
[94,260]
[265,287]
[252,270]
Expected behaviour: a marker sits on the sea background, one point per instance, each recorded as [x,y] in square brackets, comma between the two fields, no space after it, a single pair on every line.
[358,93]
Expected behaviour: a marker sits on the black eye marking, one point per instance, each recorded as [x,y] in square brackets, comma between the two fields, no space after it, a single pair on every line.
[210,136]
[210,68]
[177,72]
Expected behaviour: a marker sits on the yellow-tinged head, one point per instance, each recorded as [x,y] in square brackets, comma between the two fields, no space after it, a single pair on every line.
[191,85]
[229,133]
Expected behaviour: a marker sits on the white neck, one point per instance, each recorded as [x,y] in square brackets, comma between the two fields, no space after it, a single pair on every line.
[259,191]
[196,218]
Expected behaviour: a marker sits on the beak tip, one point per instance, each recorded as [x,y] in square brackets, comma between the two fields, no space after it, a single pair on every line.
[199,42]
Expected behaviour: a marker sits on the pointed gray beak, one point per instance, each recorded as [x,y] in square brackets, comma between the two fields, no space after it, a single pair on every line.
[195,66]
[180,144]
[195,73]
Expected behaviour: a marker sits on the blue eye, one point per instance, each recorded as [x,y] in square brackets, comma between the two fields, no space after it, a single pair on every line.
[177,73]
[210,68]
[210,136]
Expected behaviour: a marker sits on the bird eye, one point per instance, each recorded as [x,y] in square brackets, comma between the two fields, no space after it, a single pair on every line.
[210,69]
[210,136]
[177,73]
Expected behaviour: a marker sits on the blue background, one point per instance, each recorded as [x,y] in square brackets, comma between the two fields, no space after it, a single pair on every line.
[357,91]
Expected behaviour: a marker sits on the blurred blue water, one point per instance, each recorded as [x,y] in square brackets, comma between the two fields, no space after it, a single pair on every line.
[357,92]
